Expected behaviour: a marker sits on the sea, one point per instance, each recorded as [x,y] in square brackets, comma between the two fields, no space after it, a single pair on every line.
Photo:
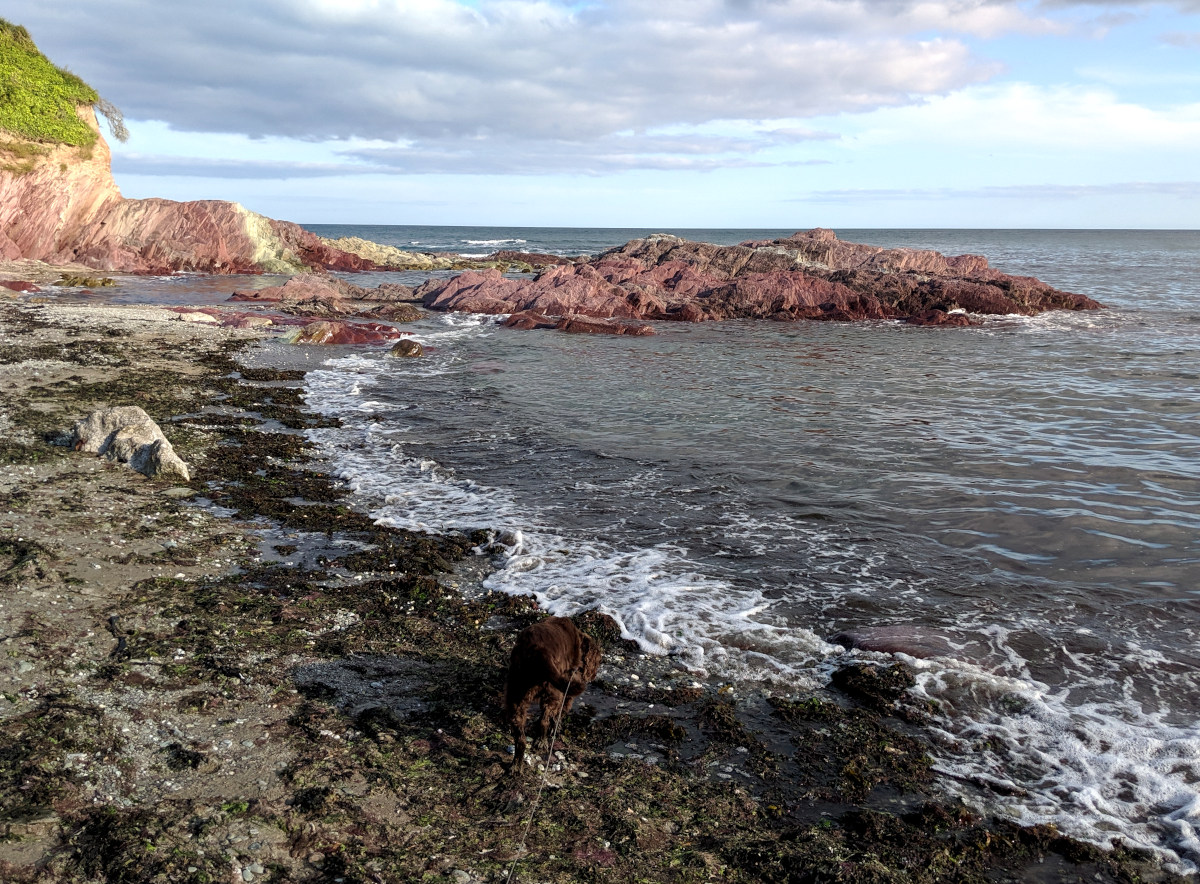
[1019,500]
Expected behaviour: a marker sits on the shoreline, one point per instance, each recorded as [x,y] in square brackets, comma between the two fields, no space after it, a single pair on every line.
[185,681]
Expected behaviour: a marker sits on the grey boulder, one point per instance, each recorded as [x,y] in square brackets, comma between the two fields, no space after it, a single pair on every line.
[127,434]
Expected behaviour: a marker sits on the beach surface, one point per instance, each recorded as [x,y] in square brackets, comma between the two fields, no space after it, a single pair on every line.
[244,678]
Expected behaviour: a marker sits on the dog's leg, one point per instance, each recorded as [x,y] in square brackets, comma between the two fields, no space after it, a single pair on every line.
[517,709]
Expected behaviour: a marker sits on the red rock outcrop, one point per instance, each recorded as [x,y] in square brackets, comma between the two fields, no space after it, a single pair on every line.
[811,275]
[66,209]
[333,332]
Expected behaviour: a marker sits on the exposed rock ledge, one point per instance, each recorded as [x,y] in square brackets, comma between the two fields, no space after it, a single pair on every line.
[65,209]
[811,275]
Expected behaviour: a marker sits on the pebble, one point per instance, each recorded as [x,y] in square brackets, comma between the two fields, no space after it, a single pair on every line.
[24,666]
[256,868]
[460,877]
[247,875]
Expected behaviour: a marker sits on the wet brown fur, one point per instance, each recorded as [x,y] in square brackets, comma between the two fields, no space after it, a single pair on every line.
[551,657]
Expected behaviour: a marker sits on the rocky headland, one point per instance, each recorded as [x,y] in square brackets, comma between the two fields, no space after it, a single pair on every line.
[60,205]
[65,209]
[810,275]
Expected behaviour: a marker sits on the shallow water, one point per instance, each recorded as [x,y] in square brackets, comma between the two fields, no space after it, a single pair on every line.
[1025,494]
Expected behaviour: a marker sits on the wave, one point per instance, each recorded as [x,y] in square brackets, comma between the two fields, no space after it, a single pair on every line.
[493,242]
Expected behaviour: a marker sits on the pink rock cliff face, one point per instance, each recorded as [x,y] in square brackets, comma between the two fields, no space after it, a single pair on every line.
[67,209]
[811,275]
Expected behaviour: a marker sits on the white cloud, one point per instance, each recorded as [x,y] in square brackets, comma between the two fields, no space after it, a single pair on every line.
[1187,190]
[1087,120]
[433,69]
[1183,39]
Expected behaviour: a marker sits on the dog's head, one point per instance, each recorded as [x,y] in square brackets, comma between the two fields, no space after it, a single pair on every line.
[591,654]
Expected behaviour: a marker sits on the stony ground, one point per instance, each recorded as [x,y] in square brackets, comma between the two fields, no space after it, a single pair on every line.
[244,679]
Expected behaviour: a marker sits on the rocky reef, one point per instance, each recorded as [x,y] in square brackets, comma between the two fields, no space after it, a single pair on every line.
[810,275]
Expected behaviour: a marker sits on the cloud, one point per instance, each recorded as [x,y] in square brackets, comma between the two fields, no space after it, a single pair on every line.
[1183,39]
[1181,5]
[505,156]
[612,153]
[1067,120]
[436,69]
[202,167]
[1187,190]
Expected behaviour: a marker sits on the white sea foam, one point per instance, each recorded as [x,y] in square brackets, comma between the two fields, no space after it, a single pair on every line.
[1098,769]
[494,242]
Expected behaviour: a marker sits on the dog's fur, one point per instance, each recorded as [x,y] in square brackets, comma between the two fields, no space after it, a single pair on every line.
[550,657]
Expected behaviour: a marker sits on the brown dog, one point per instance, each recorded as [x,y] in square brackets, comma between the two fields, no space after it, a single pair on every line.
[550,658]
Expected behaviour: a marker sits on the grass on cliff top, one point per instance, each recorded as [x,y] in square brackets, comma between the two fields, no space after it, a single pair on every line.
[37,98]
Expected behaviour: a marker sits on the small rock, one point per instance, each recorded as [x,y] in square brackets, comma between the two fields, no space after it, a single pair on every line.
[179,492]
[256,868]
[316,858]
[24,666]
[461,877]
[247,875]
[407,348]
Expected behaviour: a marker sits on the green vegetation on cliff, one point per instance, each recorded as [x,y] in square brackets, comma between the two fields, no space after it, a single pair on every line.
[38,99]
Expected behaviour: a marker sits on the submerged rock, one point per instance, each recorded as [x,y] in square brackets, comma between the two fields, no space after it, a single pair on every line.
[576,324]
[810,275]
[911,640]
[408,348]
[128,435]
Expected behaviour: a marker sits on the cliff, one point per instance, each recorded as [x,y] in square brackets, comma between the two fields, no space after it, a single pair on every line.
[59,203]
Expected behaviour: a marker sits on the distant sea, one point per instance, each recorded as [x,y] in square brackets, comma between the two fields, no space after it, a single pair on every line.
[1024,495]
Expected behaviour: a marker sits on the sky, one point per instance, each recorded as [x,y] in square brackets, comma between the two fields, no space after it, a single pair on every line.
[651,113]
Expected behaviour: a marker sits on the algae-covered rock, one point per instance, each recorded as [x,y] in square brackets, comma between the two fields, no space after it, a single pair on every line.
[127,434]
[407,348]
[70,280]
